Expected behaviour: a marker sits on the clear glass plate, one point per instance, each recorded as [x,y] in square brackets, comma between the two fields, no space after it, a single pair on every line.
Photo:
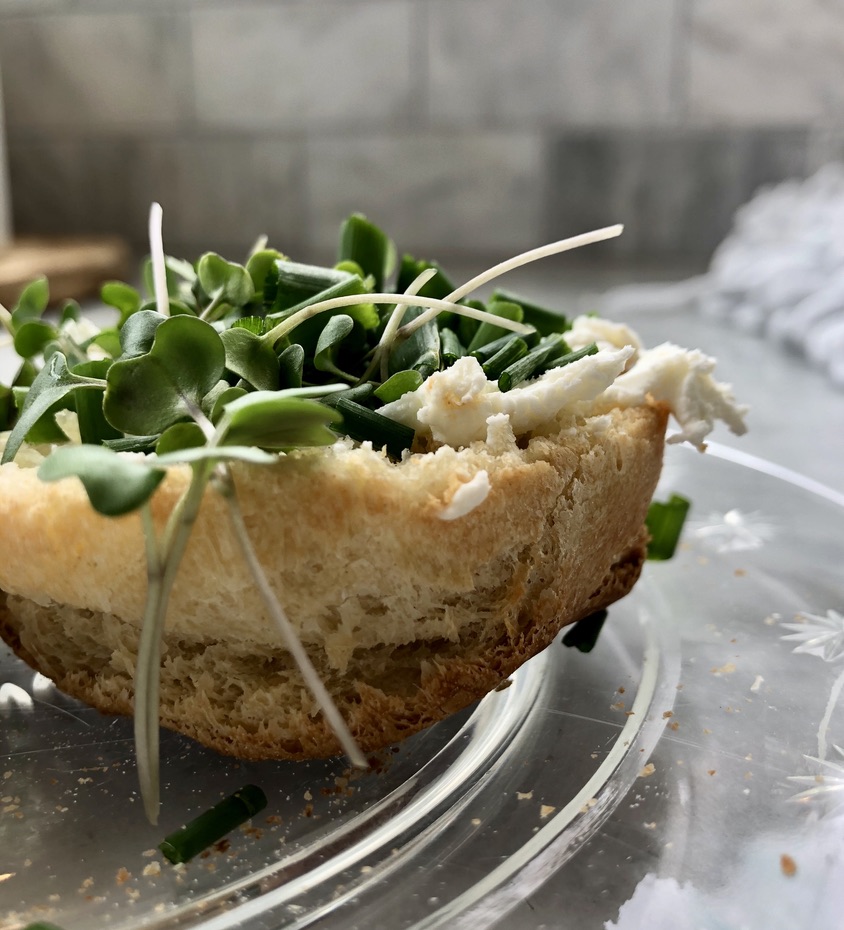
[685,773]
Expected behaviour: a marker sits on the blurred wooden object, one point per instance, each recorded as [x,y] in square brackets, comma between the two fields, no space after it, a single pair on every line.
[75,267]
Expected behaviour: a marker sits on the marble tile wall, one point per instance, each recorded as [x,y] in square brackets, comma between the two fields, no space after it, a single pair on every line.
[475,127]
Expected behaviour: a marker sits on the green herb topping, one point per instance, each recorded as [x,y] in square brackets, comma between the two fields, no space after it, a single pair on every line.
[220,362]
[665,524]
[208,828]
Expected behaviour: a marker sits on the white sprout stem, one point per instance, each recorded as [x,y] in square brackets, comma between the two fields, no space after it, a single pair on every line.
[350,300]
[544,251]
[156,250]
[258,245]
[291,639]
[827,717]
[382,352]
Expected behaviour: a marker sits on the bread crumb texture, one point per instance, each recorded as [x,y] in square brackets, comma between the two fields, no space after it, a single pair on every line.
[406,616]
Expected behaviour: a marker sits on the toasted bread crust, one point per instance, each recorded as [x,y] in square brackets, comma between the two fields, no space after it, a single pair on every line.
[406,616]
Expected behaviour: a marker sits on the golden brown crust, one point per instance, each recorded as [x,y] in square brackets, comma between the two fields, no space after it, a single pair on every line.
[407,617]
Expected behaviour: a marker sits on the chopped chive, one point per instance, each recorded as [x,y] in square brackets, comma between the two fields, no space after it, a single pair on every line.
[486,332]
[359,393]
[451,348]
[545,321]
[584,634]
[364,425]
[575,356]
[467,327]
[410,268]
[507,355]
[396,385]
[41,925]
[296,283]
[549,348]
[206,829]
[665,524]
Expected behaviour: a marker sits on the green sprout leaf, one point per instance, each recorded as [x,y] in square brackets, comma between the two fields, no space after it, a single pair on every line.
[180,436]
[398,384]
[93,426]
[225,281]
[32,302]
[328,345]
[263,265]
[147,394]
[486,332]
[50,388]
[138,333]
[7,408]
[115,485]
[276,420]
[252,359]
[122,297]
[31,336]
[291,363]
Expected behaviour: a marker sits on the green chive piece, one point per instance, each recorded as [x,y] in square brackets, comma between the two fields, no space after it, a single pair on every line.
[297,284]
[507,355]
[486,332]
[451,348]
[545,321]
[584,634]
[359,393]
[396,385]
[575,356]
[549,348]
[208,828]
[364,425]
[361,241]
[466,326]
[41,925]
[665,524]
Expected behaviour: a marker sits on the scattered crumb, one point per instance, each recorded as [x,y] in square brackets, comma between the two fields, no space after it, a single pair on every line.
[617,706]
[667,713]
[274,819]
[740,572]
[308,796]
[588,805]
[505,684]
[54,898]
[757,683]
[788,866]
[707,732]
[149,853]
[7,775]
[593,755]
[133,894]
[647,770]
[727,669]
[5,876]
[546,810]
[680,687]
[748,757]
[365,869]
[476,821]
[650,826]
[772,619]
[123,876]
[674,725]
[711,771]
[748,776]
[309,810]
[152,868]
[630,713]
[85,781]
[620,689]
[524,795]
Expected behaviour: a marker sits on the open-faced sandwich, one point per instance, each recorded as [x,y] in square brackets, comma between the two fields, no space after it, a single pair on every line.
[321,508]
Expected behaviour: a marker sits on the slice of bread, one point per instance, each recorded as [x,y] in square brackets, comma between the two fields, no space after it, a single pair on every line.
[407,616]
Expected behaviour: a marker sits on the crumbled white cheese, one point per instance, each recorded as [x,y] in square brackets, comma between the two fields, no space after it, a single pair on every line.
[459,406]
[681,379]
[604,333]
[453,406]
[467,497]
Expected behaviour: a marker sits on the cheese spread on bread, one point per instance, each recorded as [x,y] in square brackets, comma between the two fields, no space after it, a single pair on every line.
[454,406]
